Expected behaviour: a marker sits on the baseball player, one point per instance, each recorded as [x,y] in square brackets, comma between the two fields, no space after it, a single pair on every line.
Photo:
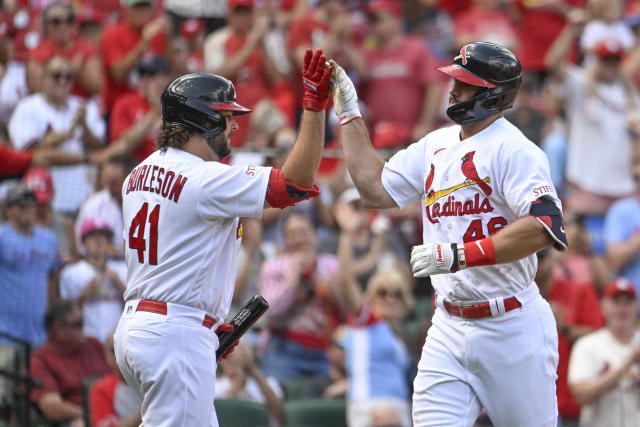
[488,206]
[182,233]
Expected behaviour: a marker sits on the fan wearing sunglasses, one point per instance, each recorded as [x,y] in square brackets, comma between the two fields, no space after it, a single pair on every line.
[63,361]
[377,361]
[61,38]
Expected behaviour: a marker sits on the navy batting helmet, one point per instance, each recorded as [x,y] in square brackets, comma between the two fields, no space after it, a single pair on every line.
[195,101]
[495,70]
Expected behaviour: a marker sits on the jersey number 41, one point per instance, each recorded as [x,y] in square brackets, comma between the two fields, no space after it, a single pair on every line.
[136,233]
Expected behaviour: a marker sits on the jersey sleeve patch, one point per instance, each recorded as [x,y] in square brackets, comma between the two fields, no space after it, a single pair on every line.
[548,214]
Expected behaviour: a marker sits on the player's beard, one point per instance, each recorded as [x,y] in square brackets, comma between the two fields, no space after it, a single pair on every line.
[219,144]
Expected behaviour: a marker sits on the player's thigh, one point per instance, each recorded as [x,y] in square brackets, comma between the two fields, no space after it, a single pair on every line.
[516,373]
[175,364]
[442,396]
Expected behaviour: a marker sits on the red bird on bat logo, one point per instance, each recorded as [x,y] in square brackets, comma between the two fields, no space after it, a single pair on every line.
[470,172]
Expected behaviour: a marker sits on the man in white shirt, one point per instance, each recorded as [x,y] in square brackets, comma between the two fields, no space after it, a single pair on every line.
[604,369]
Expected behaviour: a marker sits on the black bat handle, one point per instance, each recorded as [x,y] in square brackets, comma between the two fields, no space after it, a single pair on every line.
[242,321]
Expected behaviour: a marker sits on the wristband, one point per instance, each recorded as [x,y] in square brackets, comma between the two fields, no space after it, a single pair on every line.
[479,252]
[352,114]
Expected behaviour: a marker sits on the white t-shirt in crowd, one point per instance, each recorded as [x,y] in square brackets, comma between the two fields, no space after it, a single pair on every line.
[13,87]
[591,356]
[599,158]
[100,315]
[30,122]
[597,31]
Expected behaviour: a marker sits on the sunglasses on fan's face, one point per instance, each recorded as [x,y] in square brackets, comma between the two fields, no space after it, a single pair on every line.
[57,21]
[395,293]
[61,76]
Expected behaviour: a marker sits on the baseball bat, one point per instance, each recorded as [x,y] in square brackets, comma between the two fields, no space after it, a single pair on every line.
[242,321]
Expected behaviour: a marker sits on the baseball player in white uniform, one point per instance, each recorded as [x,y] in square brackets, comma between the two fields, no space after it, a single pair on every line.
[488,207]
[182,232]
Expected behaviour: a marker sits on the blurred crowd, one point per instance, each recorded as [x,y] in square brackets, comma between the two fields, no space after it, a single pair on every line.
[80,85]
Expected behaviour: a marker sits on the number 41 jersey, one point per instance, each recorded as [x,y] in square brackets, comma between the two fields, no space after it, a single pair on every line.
[182,229]
[468,190]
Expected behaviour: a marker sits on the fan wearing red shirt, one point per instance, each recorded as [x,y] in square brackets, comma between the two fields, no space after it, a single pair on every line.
[401,82]
[125,43]
[61,39]
[63,362]
[577,312]
[237,52]
[484,20]
[141,108]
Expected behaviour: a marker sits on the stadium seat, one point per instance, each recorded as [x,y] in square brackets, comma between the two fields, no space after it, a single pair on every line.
[315,413]
[87,383]
[240,413]
[295,388]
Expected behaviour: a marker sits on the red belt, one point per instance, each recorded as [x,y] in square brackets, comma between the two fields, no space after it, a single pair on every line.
[480,310]
[161,308]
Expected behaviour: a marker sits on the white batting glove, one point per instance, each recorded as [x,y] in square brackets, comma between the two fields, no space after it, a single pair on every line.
[437,258]
[345,98]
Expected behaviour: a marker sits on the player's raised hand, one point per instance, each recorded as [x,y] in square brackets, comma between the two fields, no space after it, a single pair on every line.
[315,79]
[345,97]
[435,258]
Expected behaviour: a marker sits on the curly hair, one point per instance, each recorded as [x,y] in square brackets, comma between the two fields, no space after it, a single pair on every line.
[173,135]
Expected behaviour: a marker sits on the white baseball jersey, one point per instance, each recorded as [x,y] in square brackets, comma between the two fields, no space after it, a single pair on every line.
[181,228]
[440,170]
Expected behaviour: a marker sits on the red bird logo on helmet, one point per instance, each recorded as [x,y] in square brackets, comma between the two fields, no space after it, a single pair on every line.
[470,172]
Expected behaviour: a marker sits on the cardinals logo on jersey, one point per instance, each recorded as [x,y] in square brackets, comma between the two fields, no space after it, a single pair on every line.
[453,207]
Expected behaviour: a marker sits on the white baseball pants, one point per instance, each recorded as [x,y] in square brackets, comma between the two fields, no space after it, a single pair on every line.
[506,364]
[171,360]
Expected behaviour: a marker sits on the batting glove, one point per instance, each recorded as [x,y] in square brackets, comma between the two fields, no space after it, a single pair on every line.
[226,327]
[345,98]
[315,79]
[437,258]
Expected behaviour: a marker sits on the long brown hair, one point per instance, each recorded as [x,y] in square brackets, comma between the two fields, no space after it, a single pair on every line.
[173,135]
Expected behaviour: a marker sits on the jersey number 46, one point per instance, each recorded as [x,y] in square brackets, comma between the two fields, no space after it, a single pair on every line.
[136,233]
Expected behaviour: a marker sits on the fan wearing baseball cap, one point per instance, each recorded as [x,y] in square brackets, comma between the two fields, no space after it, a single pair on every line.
[604,369]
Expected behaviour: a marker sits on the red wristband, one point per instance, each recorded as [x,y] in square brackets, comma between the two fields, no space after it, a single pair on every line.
[480,252]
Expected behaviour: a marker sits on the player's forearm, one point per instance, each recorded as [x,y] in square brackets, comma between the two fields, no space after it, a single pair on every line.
[364,164]
[520,239]
[302,163]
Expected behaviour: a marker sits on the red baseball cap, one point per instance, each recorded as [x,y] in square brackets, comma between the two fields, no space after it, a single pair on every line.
[608,49]
[91,225]
[618,287]
[39,180]
[237,3]
[391,6]
[190,27]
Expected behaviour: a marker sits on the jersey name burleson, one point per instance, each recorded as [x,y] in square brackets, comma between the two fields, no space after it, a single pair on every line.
[157,180]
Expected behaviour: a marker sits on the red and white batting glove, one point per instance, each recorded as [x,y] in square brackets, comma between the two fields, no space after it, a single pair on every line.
[315,79]
[440,258]
[345,97]
[226,327]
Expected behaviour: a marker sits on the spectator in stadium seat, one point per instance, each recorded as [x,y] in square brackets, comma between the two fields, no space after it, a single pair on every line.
[13,82]
[604,369]
[525,116]
[239,53]
[299,285]
[127,41]
[486,21]
[55,118]
[597,99]
[401,84]
[577,312]
[39,180]
[61,39]
[63,362]
[106,204]
[142,106]
[27,268]
[112,401]
[96,282]
[622,231]
[242,379]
